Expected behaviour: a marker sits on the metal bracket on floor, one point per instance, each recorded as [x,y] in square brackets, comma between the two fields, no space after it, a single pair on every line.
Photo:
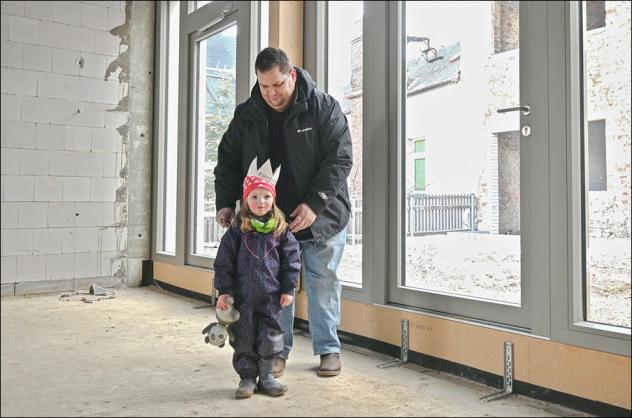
[404,353]
[212,304]
[508,376]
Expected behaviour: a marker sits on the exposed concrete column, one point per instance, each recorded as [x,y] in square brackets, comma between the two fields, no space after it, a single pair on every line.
[141,59]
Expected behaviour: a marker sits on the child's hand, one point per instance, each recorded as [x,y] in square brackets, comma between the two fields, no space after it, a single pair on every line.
[286,300]
[222,303]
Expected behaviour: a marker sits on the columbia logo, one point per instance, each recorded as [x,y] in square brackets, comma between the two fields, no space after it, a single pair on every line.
[303,130]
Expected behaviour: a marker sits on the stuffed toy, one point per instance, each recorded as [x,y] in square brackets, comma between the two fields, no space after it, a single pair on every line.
[216,332]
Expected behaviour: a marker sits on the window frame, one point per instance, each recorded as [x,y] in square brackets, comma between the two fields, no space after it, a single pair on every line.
[568,324]
[193,257]
[315,62]
[557,318]
[418,156]
[248,19]
[562,306]
[243,14]
[161,76]
[535,277]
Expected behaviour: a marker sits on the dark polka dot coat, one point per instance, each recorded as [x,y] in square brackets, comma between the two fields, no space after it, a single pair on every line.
[256,268]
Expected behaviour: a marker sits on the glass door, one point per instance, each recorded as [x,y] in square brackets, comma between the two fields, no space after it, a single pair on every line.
[471,158]
[216,101]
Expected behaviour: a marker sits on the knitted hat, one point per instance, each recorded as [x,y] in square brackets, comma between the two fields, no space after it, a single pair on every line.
[261,177]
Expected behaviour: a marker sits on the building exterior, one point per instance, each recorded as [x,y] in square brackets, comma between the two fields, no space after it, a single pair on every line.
[457,143]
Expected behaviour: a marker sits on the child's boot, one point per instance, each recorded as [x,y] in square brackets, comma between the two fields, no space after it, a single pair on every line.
[246,388]
[267,383]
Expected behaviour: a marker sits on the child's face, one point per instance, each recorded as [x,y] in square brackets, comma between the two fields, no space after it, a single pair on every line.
[260,201]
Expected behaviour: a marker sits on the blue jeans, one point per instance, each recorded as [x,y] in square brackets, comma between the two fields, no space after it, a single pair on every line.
[320,262]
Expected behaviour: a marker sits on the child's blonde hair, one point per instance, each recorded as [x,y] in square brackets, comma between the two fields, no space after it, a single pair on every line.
[277,214]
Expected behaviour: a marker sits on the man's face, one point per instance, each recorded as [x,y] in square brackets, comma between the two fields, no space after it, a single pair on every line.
[277,88]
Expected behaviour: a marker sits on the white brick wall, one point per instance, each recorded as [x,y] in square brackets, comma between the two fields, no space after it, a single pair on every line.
[11,54]
[47,189]
[9,270]
[42,10]
[32,215]
[47,241]
[61,214]
[10,161]
[86,265]
[21,82]
[31,268]
[61,151]
[9,214]
[60,266]
[19,134]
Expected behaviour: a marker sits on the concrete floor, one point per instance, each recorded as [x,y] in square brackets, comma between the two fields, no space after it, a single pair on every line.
[142,354]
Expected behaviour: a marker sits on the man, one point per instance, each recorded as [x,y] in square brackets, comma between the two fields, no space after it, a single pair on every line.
[288,120]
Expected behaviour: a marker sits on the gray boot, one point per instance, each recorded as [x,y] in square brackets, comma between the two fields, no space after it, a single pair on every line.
[267,382]
[246,388]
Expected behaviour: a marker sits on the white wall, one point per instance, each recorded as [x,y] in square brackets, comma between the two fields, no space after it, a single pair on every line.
[64,162]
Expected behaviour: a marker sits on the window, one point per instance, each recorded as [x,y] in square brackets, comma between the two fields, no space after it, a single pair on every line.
[597,170]
[167,133]
[344,36]
[420,164]
[216,101]
[196,4]
[420,174]
[491,221]
[204,68]
[606,166]
[420,145]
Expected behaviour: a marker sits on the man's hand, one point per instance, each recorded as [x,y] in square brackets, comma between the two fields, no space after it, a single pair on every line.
[303,216]
[286,300]
[224,217]
[222,303]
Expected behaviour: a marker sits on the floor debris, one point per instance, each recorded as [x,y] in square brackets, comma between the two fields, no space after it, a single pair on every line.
[95,294]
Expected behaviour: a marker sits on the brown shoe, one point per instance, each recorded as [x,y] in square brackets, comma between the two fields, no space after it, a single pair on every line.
[279,366]
[329,365]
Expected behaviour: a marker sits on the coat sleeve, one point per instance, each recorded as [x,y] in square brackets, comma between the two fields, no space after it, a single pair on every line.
[225,265]
[290,262]
[228,174]
[336,146]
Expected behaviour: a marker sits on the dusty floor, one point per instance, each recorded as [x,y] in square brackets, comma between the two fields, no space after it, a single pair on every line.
[142,354]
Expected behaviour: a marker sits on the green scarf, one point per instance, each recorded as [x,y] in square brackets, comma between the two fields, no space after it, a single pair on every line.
[264,228]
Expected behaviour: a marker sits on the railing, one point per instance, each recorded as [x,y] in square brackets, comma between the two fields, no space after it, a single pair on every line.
[212,231]
[354,227]
[425,214]
[433,213]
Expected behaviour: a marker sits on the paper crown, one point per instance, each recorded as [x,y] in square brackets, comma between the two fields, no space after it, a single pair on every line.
[261,177]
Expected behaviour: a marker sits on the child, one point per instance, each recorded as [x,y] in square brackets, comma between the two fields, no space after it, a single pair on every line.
[258,263]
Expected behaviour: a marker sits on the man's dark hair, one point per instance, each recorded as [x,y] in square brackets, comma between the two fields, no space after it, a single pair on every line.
[270,57]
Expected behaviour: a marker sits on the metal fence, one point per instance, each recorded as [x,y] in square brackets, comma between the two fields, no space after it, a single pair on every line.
[425,214]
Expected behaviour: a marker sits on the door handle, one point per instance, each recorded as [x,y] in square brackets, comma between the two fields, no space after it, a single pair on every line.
[525,109]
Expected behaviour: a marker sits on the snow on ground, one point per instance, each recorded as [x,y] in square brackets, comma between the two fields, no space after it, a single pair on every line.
[488,266]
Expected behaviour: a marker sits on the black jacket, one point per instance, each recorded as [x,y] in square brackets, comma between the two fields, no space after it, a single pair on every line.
[318,149]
